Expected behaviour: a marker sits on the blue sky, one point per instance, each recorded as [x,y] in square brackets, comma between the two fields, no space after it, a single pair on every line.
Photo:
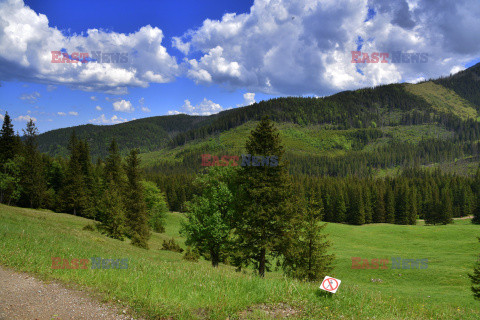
[202,57]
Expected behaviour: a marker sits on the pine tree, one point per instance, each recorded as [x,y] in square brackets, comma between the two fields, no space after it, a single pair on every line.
[136,209]
[412,211]
[356,207]
[367,200]
[113,166]
[475,278]
[32,178]
[432,214]
[446,214]
[476,211]
[389,206]
[264,215]
[8,141]
[112,211]
[401,205]
[306,257]
[379,210]
[340,208]
[74,193]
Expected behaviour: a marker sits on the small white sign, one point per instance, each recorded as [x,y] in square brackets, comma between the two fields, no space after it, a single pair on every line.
[330,284]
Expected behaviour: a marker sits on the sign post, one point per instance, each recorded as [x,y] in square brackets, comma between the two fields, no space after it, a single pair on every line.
[330,284]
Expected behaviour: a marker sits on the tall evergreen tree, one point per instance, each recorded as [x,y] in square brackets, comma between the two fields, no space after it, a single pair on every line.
[306,257]
[112,212]
[379,206]
[401,204]
[113,166]
[8,140]
[446,214]
[264,212]
[356,207]
[412,209]
[475,278]
[32,177]
[136,209]
[367,200]
[389,205]
[340,208]
[74,195]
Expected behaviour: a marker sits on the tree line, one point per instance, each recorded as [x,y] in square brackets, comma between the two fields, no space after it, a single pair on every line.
[112,192]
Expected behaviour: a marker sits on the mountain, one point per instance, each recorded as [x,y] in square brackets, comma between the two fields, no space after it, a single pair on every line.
[432,123]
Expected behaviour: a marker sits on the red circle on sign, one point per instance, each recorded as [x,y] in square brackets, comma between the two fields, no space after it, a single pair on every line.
[323,284]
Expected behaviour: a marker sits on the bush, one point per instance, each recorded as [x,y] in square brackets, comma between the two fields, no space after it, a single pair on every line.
[171,245]
[191,255]
[89,227]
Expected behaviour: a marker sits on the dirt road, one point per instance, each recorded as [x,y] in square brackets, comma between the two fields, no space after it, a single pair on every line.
[24,297]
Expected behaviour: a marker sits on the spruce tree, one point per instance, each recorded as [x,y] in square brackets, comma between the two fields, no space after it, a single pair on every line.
[306,257]
[135,206]
[112,212]
[389,206]
[367,200]
[356,206]
[401,205]
[32,178]
[8,141]
[412,210]
[476,211]
[264,213]
[379,206]
[113,166]
[446,213]
[340,208]
[74,193]
[475,278]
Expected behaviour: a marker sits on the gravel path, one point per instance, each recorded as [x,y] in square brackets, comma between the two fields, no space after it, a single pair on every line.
[24,297]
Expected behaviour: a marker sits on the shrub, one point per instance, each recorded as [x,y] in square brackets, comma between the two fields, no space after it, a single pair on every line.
[171,245]
[89,227]
[191,255]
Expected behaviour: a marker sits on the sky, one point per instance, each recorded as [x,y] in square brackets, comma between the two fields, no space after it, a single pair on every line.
[205,56]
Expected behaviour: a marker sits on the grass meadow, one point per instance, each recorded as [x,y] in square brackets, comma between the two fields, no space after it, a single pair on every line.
[159,284]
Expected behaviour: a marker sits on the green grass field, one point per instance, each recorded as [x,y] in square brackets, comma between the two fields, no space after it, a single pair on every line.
[161,285]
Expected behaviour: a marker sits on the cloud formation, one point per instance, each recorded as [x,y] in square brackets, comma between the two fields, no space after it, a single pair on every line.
[123,106]
[26,118]
[27,39]
[30,97]
[104,120]
[204,108]
[304,47]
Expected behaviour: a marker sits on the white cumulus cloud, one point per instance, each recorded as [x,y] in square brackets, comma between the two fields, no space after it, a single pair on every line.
[98,108]
[73,113]
[27,41]
[204,108]
[304,47]
[104,120]
[248,99]
[26,118]
[123,106]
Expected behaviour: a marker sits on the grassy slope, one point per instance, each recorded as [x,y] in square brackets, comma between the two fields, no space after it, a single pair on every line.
[443,99]
[161,284]
[313,140]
